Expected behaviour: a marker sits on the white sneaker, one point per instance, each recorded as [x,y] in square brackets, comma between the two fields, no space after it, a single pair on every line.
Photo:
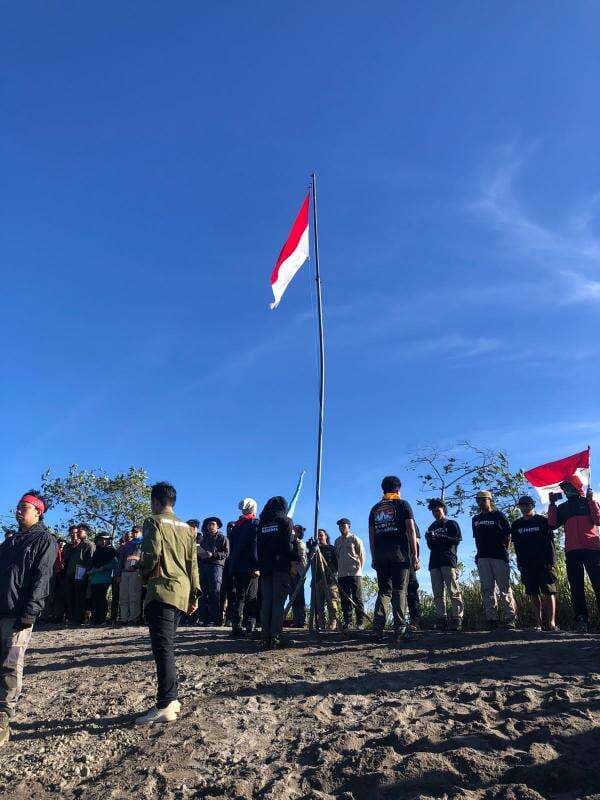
[158,716]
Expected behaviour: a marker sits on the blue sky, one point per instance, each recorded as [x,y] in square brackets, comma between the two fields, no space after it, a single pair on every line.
[153,158]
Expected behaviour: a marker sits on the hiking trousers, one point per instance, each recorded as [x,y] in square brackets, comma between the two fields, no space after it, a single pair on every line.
[444,584]
[494,576]
[351,598]
[275,588]
[130,596]
[392,582]
[577,562]
[13,645]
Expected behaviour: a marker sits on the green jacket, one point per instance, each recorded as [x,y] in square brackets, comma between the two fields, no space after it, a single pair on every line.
[168,562]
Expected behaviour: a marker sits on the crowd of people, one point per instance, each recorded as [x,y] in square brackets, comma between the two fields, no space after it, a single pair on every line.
[168,571]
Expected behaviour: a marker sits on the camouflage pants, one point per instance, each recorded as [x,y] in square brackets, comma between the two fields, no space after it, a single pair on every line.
[13,645]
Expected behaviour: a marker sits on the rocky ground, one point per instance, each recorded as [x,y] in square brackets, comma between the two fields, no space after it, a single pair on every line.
[450,716]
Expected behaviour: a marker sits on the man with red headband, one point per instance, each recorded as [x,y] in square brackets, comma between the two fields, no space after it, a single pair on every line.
[26,564]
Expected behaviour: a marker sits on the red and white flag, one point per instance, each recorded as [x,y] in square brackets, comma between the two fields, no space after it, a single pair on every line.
[548,477]
[293,254]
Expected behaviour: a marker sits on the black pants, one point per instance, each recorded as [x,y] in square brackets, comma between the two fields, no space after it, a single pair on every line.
[211,578]
[392,581]
[275,590]
[577,562]
[412,597]
[162,622]
[99,603]
[60,598]
[299,604]
[76,600]
[244,591]
[351,590]
[114,603]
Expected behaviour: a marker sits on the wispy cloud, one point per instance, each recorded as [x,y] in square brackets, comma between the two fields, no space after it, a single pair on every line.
[454,346]
[569,252]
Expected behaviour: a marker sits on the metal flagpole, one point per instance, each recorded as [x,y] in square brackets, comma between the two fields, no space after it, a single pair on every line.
[321,354]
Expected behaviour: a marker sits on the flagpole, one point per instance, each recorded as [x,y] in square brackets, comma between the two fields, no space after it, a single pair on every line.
[313,178]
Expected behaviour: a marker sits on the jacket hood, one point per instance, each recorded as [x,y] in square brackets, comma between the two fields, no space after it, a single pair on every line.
[275,507]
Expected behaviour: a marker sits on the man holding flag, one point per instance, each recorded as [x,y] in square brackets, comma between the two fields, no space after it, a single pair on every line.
[580,517]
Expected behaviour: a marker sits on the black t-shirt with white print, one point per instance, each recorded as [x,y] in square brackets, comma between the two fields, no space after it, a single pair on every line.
[388,518]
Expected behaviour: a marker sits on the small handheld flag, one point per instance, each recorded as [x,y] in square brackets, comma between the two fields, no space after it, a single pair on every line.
[293,254]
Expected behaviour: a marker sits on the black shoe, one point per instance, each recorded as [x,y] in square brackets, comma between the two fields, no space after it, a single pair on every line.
[402,635]
[376,636]
[511,625]
[492,624]
[266,644]
[440,624]
[238,633]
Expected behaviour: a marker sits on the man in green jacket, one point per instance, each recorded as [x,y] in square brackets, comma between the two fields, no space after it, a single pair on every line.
[169,568]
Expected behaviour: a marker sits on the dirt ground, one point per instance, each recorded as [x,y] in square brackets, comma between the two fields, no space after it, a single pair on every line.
[466,715]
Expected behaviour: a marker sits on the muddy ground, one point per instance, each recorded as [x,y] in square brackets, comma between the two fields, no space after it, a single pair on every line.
[466,715]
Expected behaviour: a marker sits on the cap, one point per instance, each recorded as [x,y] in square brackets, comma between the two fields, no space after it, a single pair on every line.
[343,520]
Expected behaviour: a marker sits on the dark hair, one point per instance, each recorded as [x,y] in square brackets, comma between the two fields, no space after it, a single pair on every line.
[164,493]
[85,527]
[40,496]
[391,483]
[136,528]
[435,503]
[74,528]
[195,523]
[299,531]
[322,530]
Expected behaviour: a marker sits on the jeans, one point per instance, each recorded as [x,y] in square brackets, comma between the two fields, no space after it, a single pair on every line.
[495,573]
[211,577]
[577,562]
[351,592]
[99,603]
[245,590]
[444,583]
[275,589]
[392,581]
[162,622]
[13,645]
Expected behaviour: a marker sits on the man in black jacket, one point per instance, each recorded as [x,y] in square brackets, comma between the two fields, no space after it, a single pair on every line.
[243,567]
[443,537]
[26,564]
[212,554]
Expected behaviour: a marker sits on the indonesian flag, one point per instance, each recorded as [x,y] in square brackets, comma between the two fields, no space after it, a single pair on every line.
[548,477]
[293,254]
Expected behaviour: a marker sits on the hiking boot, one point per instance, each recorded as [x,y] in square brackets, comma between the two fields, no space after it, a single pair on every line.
[376,635]
[511,625]
[581,625]
[282,642]
[440,624]
[492,624]
[454,624]
[238,633]
[266,644]
[4,728]
[160,716]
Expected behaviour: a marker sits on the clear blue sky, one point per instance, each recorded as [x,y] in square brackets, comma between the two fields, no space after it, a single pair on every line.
[153,158]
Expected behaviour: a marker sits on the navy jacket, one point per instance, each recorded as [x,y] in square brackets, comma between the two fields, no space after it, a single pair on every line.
[276,544]
[26,565]
[243,554]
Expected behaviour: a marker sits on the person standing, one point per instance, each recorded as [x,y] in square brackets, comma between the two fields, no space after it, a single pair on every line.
[534,547]
[580,515]
[413,601]
[78,564]
[100,573]
[26,565]
[350,553]
[491,530]
[324,583]
[276,551]
[212,553]
[297,579]
[130,592]
[443,537]
[393,541]
[169,566]
[243,566]
[58,593]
